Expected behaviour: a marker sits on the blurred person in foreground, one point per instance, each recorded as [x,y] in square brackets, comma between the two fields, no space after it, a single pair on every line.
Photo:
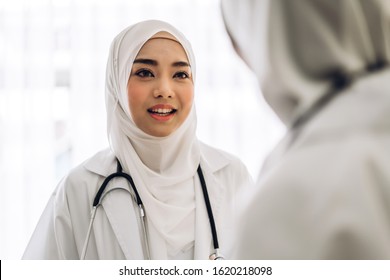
[323,67]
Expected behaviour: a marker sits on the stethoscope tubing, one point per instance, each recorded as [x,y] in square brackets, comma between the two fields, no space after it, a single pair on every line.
[209,209]
[118,173]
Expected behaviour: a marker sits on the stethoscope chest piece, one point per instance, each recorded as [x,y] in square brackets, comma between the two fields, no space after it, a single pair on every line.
[216,256]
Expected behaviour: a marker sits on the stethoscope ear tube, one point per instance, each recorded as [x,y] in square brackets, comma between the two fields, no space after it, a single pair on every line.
[84,252]
[144,231]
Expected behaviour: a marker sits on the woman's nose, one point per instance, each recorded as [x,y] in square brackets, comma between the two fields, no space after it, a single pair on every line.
[163,89]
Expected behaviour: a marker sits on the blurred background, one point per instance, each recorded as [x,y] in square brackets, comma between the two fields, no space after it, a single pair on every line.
[52,114]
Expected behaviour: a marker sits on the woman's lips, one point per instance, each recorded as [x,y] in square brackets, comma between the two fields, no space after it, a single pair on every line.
[162,112]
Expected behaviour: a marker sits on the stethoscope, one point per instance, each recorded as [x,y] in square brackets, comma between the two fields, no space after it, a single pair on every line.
[119,173]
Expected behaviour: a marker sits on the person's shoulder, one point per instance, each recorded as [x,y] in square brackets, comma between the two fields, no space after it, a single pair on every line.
[99,164]
[83,180]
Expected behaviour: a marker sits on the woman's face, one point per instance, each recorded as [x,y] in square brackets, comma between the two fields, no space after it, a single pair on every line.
[160,88]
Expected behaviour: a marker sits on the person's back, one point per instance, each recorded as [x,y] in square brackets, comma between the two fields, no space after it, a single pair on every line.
[324,192]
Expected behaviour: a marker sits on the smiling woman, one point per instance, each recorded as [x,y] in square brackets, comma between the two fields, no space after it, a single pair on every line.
[187,188]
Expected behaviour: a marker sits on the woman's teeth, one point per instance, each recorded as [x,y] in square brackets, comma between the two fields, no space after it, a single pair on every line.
[162,111]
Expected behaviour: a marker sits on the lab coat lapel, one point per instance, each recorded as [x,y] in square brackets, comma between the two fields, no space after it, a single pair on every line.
[119,206]
[122,214]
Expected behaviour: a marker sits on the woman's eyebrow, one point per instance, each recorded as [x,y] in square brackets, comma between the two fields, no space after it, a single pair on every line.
[146,61]
[181,64]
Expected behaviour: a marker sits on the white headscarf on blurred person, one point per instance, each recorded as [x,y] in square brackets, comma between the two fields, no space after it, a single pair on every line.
[295,53]
[162,167]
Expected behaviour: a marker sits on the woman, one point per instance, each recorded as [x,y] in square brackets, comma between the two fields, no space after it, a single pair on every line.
[152,131]
[323,65]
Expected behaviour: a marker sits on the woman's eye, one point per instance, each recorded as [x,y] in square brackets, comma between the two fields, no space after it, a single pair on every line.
[144,73]
[181,75]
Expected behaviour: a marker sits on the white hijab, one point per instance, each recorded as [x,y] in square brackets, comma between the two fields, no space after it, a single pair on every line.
[162,167]
[293,46]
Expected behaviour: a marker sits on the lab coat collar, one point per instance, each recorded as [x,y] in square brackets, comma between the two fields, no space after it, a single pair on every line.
[103,163]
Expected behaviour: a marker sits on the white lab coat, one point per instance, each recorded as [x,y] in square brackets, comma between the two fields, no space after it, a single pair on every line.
[327,196]
[116,234]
